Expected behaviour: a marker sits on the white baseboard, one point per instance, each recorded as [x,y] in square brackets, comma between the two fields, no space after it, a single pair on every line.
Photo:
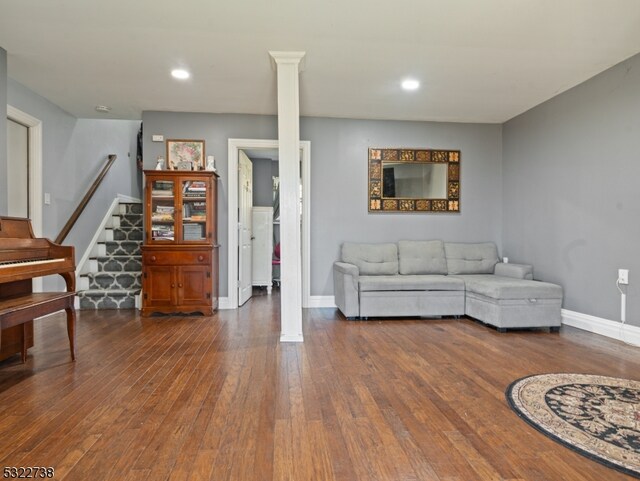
[291,338]
[224,303]
[321,301]
[604,327]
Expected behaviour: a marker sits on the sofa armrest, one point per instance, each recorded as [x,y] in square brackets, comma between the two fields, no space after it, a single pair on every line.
[517,271]
[345,268]
[345,286]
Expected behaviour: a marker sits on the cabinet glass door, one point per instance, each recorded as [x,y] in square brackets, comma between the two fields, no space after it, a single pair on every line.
[194,210]
[162,211]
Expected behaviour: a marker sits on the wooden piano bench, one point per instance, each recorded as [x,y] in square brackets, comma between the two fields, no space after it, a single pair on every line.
[19,310]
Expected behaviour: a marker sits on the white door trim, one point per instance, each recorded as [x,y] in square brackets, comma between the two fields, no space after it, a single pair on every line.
[232,184]
[35,172]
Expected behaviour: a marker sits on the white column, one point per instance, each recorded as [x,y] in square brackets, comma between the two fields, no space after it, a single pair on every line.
[288,67]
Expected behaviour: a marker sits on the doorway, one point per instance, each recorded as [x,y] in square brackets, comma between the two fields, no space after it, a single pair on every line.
[17,169]
[235,146]
[34,148]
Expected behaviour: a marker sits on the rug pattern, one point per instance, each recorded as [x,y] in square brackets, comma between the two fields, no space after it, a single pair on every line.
[597,416]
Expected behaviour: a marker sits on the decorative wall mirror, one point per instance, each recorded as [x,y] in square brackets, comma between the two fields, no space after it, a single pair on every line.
[414,180]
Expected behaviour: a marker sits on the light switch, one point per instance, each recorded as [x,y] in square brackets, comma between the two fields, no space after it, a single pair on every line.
[157,138]
[47,198]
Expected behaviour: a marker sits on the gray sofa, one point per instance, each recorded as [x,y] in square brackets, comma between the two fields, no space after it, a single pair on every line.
[434,278]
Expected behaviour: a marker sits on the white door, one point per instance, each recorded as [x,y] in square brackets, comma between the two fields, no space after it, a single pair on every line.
[18,169]
[245,203]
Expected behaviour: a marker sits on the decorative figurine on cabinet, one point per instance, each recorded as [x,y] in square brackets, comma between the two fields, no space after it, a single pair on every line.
[211,163]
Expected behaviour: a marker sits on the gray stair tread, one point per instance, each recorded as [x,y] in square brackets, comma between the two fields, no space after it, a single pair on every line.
[100,292]
[112,273]
[121,242]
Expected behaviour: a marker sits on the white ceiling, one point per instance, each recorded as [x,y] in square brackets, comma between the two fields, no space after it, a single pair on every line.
[478,60]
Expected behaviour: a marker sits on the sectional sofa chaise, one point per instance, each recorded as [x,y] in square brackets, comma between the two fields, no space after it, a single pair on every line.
[436,278]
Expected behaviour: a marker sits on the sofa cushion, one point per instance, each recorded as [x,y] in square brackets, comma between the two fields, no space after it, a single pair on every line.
[477,258]
[499,287]
[422,257]
[410,283]
[372,259]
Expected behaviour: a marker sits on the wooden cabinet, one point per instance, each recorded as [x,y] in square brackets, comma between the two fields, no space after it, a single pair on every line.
[180,252]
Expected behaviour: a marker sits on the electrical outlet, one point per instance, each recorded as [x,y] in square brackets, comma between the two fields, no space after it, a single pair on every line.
[623,276]
[157,138]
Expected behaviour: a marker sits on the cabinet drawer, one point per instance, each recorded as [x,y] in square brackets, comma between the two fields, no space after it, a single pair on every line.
[176,258]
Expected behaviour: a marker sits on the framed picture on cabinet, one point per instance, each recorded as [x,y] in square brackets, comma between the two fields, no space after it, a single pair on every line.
[180,151]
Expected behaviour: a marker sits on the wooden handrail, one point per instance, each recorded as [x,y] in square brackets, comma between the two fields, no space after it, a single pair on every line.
[85,200]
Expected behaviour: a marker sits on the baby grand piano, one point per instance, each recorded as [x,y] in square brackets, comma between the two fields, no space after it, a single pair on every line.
[23,257]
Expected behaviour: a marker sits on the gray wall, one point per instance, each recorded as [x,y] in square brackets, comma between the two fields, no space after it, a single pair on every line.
[3,131]
[74,151]
[571,192]
[339,186]
[339,178]
[93,140]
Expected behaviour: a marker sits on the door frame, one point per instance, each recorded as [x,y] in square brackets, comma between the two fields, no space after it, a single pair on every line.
[35,172]
[235,145]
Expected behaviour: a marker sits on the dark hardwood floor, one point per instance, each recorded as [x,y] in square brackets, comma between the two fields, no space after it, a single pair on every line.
[219,398]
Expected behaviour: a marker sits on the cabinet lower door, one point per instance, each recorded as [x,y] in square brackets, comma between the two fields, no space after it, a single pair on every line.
[194,285]
[160,286]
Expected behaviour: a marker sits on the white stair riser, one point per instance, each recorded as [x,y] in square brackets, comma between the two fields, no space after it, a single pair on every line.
[83,284]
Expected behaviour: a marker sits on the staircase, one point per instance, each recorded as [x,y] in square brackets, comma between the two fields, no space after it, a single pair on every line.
[114,276]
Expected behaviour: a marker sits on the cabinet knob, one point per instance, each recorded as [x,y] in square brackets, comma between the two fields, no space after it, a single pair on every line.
[153,258]
[180,286]
[200,258]
[172,286]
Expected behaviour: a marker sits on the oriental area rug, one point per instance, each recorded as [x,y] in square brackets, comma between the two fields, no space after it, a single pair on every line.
[597,416]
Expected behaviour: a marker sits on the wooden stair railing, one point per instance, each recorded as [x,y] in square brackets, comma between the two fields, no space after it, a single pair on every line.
[85,200]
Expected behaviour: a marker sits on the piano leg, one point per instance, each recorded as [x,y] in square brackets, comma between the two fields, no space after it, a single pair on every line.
[71,330]
[70,280]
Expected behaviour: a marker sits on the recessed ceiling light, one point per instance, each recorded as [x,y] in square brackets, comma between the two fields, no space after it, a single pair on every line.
[180,74]
[103,108]
[410,84]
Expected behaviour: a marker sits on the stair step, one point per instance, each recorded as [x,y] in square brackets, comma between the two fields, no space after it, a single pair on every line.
[130,208]
[130,220]
[123,248]
[127,233]
[114,280]
[117,299]
[119,264]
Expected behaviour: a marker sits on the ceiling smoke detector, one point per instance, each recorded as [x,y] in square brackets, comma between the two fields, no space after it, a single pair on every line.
[103,108]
